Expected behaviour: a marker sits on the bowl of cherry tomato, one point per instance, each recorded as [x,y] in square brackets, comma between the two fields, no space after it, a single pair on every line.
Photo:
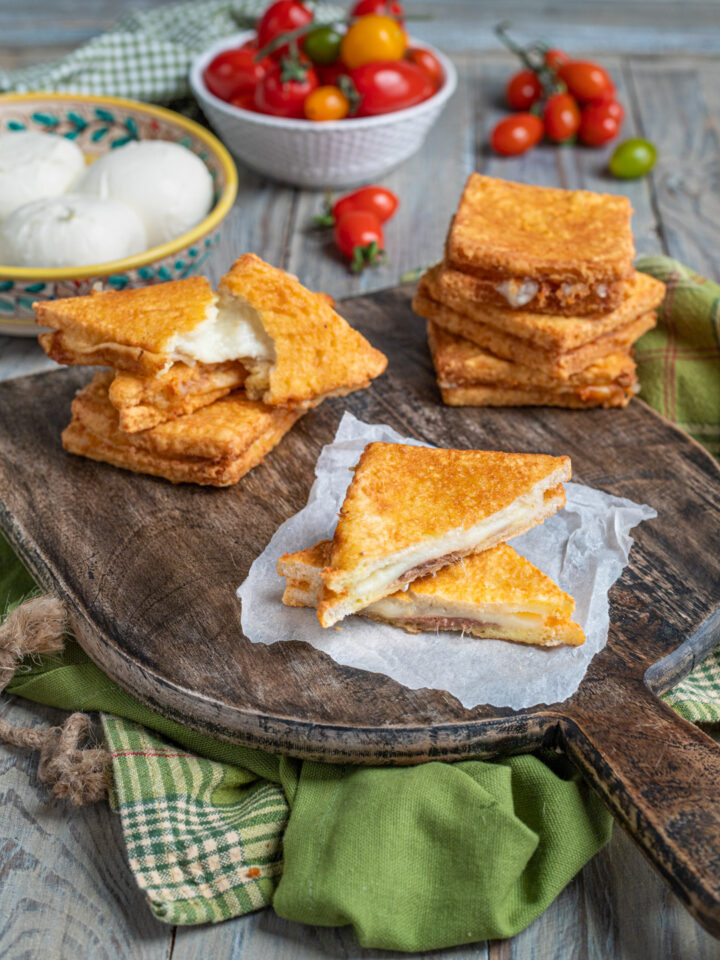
[323,105]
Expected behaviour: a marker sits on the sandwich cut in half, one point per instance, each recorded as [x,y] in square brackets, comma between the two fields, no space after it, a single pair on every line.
[215,446]
[496,594]
[411,510]
[295,347]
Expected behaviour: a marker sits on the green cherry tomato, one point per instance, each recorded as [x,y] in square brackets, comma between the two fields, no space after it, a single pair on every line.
[632,159]
[323,45]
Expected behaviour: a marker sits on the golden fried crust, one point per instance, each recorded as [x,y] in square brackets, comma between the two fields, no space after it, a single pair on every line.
[216,473]
[403,495]
[317,353]
[303,570]
[517,350]
[584,398]
[516,230]
[144,318]
[145,402]
[460,362]
[222,431]
[640,294]
[66,349]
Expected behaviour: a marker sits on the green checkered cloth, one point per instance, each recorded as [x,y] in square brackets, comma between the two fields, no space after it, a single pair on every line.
[415,858]
[147,55]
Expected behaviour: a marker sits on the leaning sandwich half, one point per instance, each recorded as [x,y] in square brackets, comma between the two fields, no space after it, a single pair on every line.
[409,511]
[496,594]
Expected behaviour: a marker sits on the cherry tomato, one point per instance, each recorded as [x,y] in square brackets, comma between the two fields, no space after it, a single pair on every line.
[388,8]
[373,199]
[234,73]
[523,90]
[373,38]
[613,108]
[585,80]
[358,235]
[633,158]
[283,89]
[326,103]
[281,17]
[323,45]
[516,134]
[389,85]
[555,58]
[329,74]
[246,101]
[428,63]
[597,125]
[561,117]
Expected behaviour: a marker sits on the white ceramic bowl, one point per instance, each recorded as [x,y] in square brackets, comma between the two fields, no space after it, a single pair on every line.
[335,153]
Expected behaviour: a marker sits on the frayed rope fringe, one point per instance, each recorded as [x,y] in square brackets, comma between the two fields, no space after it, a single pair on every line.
[71,772]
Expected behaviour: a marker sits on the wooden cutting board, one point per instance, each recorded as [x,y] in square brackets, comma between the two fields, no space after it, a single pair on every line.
[149,570]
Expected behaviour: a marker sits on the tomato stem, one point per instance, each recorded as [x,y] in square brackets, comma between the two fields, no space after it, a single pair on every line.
[369,256]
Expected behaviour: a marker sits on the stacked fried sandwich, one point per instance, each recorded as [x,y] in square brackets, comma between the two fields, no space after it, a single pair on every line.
[537,301]
[420,544]
[203,384]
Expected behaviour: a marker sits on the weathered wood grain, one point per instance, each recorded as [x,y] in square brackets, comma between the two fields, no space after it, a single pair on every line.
[65,888]
[151,569]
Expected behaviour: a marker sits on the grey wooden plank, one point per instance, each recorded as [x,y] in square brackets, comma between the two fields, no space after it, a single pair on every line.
[675,114]
[20,356]
[609,25]
[65,887]
[265,936]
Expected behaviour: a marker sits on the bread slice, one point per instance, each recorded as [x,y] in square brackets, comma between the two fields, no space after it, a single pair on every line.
[561,366]
[505,231]
[641,294]
[216,445]
[145,402]
[496,594]
[312,352]
[411,510]
[470,376]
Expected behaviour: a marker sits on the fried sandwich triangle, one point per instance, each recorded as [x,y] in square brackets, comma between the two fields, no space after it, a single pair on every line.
[410,511]
[496,594]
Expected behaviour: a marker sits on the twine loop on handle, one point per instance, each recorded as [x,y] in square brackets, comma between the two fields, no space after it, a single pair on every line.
[72,772]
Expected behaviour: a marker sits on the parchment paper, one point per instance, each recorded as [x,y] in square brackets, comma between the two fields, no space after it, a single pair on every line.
[584,548]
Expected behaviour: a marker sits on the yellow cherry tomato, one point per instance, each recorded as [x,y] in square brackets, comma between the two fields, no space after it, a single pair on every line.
[326,103]
[373,37]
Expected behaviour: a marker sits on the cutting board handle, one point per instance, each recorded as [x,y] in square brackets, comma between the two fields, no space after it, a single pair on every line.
[660,777]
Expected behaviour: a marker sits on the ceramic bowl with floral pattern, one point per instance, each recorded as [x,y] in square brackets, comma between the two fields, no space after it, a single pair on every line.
[99,124]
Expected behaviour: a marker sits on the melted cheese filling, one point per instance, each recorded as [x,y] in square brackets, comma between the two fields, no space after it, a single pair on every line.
[232,330]
[518,292]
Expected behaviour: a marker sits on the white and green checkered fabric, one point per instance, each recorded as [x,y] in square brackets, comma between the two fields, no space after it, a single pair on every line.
[697,697]
[148,54]
[203,838]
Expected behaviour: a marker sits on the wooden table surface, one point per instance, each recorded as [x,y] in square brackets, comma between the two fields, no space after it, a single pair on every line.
[65,888]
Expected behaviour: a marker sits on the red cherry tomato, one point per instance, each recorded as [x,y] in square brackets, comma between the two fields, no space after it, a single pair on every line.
[331,72]
[388,85]
[373,199]
[523,90]
[516,134]
[597,125]
[428,63]
[556,58]
[561,117]
[358,235]
[385,8]
[586,81]
[234,73]
[246,101]
[613,108]
[283,97]
[281,17]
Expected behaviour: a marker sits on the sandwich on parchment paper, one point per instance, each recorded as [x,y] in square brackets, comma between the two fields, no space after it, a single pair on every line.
[496,594]
[409,511]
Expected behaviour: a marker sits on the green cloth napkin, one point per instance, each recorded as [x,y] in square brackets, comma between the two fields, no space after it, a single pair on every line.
[147,55]
[413,858]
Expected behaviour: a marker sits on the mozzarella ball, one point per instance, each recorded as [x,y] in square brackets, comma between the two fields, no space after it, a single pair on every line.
[168,186]
[35,165]
[70,231]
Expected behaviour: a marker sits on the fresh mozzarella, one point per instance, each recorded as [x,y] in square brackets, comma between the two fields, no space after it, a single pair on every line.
[35,165]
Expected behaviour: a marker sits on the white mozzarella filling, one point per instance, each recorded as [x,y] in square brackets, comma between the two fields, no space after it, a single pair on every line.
[392,608]
[516,292]
[232,330]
